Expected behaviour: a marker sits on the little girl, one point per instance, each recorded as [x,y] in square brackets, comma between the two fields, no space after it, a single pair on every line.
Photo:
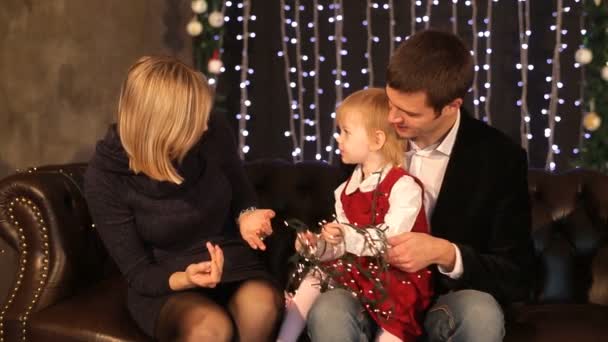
[379,193]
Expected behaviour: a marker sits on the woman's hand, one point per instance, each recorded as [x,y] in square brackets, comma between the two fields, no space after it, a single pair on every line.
[207,273]
[332,233]
[255,226]
[202,274]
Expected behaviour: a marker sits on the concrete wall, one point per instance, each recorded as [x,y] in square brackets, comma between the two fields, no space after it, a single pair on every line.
[61,66]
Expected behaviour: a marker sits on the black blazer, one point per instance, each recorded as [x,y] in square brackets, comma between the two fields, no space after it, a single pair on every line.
[483,207]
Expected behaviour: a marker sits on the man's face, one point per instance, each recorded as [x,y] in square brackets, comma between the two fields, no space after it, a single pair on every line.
[412,117]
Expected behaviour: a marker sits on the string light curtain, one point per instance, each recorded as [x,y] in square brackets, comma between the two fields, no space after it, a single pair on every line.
[320,46]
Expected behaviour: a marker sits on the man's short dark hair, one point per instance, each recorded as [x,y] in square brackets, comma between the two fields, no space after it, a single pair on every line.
[435,62]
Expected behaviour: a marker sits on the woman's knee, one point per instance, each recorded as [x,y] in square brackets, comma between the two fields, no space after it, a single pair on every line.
[259,297]
[206,326]
[269,305]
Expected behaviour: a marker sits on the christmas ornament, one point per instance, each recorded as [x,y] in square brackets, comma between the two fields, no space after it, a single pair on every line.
[215,63]
[194,27]
[592,121]
[605,73]
[216,19]
[199,6]
[215,66]
[583,56]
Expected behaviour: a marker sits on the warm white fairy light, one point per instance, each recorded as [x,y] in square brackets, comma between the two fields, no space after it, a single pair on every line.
[309,131]
[300,88]
[226,19]
[454,17]
[427,16]
[316,80]
[488,62]
[245,102]
[523,14]
[288,85]
[338,33]
[474,53]
[555,85]
[413,4]
[369,53]
[580,102]
[391,26]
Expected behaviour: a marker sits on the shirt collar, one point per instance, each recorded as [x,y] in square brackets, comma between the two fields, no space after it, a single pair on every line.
[368,184]
[445,146]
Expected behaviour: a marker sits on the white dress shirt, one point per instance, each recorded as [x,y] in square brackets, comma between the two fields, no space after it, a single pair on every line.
[429,165]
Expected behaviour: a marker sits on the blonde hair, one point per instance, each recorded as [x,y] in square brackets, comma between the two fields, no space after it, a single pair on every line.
[371,105]
[163,111]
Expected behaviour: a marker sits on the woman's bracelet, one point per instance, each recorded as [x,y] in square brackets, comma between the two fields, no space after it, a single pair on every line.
[246,210]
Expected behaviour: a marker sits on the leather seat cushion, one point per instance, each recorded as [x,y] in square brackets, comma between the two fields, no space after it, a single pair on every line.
[105,319]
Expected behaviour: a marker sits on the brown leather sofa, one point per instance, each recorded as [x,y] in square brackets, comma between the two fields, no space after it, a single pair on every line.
[58,284]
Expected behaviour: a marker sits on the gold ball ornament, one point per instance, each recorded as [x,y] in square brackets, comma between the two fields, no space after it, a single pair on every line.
[605,73]
[199,6]
[216,19]
[583,56]
[194,27]
[592,121]
[215,66]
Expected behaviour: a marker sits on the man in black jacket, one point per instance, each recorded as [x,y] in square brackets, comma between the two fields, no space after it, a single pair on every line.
[476,198]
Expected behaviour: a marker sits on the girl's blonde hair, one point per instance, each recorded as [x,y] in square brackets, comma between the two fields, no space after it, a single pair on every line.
[163,111]
[371,105]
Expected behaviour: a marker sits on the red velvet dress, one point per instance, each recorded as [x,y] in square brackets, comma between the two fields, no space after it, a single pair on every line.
[408,294]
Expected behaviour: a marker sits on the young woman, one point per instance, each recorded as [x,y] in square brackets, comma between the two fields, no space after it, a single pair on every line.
[169,198]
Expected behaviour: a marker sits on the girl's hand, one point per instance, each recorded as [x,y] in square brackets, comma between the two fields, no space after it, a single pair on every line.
[307,238]
[255,226]
[333,233]
[288,299]
[207,273]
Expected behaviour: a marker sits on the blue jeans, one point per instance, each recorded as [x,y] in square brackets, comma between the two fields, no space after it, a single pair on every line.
[466,315]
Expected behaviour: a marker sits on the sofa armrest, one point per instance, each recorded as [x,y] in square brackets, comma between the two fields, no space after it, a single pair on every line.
[44,219]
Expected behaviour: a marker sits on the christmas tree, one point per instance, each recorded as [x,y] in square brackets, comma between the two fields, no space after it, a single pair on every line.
[594,55]
[207,30]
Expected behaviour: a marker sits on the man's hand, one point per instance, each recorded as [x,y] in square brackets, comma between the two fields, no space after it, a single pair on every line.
[255,226]
[412,252]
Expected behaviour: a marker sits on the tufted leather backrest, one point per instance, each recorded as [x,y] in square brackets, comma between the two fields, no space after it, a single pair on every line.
[570,214]
[303,191]
[45,222]
[570,228]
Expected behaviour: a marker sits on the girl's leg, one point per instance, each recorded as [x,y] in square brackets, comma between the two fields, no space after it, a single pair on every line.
[297,310]
[385,336]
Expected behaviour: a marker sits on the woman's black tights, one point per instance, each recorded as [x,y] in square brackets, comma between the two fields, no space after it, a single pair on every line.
[251,313]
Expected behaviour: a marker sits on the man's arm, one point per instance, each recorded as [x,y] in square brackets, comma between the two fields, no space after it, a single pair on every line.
[504,268]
